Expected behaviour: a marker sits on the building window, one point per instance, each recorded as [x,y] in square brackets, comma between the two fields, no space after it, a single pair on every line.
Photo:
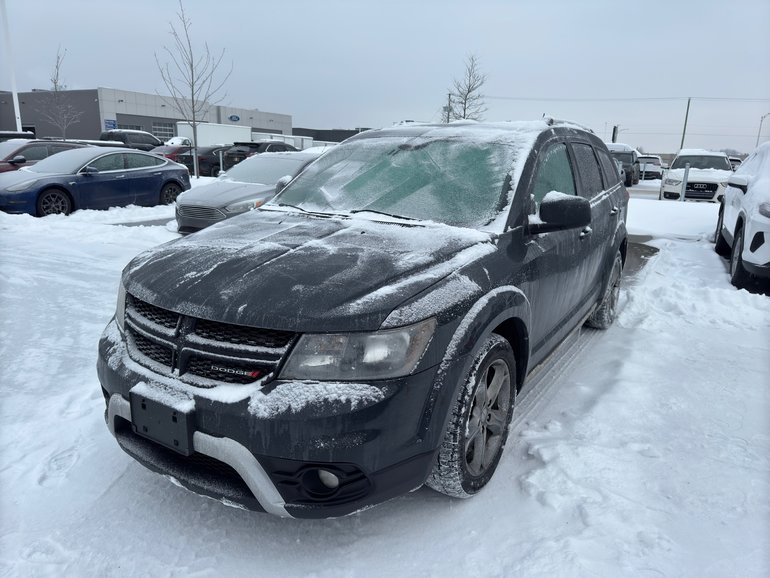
[130,126]
[163,130]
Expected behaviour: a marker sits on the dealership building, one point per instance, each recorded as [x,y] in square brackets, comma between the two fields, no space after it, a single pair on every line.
[108,108]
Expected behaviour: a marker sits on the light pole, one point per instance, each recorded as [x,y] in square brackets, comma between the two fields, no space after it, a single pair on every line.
[759,132]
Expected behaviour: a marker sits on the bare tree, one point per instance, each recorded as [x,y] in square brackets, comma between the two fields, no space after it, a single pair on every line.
[190,77]
[57,109]
[465,98]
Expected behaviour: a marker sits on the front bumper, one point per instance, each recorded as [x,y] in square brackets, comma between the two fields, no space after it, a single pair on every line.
[696,191]
[377,449]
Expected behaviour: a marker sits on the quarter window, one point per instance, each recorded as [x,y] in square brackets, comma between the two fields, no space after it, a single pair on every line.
[554,174]
[611,176]
[590,174]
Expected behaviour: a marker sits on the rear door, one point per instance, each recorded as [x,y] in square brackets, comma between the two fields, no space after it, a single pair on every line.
[144,177]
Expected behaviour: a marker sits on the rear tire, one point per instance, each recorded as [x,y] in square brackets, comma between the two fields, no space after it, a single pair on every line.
[169,193]
[605,313]
[53,202]
[478,428]
[738,274]
[720,245]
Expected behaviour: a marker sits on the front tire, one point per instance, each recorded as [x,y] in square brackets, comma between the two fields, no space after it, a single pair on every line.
[720,245]
[607,310]
[739,277]
[478,428]
[53,202]
[169,193]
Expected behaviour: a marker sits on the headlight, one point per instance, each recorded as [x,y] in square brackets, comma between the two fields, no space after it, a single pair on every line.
[243,206]
[22,186]
[120,312]
[673,182]
[764,209]
[354,356]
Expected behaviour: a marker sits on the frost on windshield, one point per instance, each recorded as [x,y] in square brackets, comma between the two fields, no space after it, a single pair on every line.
[455,179]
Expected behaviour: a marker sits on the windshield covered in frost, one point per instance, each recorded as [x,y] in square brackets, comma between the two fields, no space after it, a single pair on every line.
[453,180]
[702,162]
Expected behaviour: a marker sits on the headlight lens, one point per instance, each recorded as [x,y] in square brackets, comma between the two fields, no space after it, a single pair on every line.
[673,182]
[353,356]
[243,206]
[764,209]
[22,186]
[120,312]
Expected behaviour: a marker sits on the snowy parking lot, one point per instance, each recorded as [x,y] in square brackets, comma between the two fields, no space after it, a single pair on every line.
[644,452]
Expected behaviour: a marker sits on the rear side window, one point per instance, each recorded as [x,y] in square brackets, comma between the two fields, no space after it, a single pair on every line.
[134,161]
[588,166]
[554,174]
[611,176]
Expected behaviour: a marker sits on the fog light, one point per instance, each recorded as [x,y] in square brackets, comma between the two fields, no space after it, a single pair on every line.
[328,479]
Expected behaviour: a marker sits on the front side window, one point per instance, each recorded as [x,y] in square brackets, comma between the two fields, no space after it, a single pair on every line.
[113,162]
[449,180]
[35,152]
[554,174]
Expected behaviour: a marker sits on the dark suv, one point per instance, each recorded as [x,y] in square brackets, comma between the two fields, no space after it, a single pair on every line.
[367,330]
[242,150]
[135,139]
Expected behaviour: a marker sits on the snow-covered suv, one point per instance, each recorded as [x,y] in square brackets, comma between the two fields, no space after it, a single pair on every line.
[743,226]
[367,330]
[706,180]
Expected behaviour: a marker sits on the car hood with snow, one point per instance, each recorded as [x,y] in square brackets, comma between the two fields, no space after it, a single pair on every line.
[309,273]
[223,192]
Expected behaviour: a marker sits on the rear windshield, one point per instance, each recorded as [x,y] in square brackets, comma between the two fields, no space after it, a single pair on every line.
[623,157]
[448,180]
[650,160]
[702,162]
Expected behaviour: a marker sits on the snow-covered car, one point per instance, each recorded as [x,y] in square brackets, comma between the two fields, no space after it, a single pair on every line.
[246,186]
[735,162]
[706,179]
[629,156]
[650,167]
[92,178]
[743,225]
[366,331]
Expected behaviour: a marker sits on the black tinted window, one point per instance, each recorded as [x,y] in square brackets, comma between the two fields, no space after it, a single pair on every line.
[611,176]
[135,161]
[588,166]
[111,162]
[554,174]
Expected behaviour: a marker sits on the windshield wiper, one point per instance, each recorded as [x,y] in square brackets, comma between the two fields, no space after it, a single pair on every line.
[383,213]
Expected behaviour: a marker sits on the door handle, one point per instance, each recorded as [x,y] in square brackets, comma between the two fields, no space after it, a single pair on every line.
[614,211]
[585,232]
[121,177]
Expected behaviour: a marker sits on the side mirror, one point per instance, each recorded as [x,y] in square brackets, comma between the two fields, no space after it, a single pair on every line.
[18,160]
[282,182]
[739,182]
[88,171]
[560,212]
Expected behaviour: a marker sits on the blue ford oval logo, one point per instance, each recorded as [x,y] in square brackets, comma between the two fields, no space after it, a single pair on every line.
[234,117]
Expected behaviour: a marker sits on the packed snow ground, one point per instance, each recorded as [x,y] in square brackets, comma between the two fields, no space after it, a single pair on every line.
[645,452]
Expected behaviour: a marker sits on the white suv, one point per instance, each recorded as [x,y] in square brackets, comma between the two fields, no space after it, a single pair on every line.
[743,226]
[706,180]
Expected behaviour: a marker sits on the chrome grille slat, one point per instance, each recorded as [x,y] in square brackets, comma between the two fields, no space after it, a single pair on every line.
[196,212]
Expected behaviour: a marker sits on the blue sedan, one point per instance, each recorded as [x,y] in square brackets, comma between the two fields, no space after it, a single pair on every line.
[92,178]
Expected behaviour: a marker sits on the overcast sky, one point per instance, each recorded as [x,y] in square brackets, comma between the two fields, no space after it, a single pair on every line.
[369,63]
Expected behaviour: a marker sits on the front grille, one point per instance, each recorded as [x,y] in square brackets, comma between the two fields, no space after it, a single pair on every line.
[155,315]
[700,190]
[157,352]
[242,335]
[202,352]
[698,194]
[193,212]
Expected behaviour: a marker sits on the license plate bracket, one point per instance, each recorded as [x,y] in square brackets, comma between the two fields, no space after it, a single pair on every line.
[160,423]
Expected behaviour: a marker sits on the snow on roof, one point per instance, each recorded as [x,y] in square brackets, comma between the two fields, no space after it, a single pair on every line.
[700,152]
[619,146]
